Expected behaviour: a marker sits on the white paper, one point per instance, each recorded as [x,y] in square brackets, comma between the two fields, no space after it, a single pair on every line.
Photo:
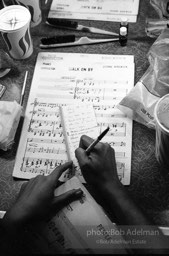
[77,120]
[66,78]
[77,230]
[105,10]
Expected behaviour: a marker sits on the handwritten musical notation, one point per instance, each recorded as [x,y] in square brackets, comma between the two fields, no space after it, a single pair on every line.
[42,145]
[77,120]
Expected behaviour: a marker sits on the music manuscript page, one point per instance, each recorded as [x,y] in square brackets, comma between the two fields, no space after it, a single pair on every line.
[70,78]
[105,10]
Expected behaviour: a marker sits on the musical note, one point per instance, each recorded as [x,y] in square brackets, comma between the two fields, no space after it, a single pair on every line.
[103,107]
[40,165]
[44,123]
[47,150]
[95,98]
[118,144]
[46,132]
[45,141]
[121,169]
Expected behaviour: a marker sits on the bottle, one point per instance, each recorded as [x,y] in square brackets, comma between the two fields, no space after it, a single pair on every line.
[123,36]
[124,23]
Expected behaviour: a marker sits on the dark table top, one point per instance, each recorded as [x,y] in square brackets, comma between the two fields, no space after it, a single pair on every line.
[149,182]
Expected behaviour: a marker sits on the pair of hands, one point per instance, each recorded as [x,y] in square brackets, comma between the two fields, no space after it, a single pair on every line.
[36,199]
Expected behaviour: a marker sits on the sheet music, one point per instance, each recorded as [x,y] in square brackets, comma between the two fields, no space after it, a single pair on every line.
[105,10]
[66,78]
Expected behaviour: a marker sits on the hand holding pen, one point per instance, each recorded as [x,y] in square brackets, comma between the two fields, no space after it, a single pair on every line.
[98,167]
[94,143]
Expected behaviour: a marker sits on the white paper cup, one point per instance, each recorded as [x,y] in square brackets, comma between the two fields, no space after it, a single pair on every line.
[161,114]
[15,30]
[34,8]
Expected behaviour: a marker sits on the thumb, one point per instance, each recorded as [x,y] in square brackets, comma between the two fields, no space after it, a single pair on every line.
[81,156]
[66,198]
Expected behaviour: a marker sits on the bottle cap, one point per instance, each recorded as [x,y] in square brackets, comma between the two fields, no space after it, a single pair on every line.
[124,20]
[123,31]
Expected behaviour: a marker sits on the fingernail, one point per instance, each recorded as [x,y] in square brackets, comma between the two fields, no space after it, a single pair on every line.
[79,192]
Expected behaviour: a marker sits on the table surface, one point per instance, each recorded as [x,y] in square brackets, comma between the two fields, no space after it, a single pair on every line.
[149,182]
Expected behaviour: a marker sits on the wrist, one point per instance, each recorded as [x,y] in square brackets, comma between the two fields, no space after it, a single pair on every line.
[113,184]
[12,221]
[113,187]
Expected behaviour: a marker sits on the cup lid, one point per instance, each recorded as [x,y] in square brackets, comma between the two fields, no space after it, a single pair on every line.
[13,17]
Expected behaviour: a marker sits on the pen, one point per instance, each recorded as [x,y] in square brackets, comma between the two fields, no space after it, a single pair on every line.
[23,88]
[92,145]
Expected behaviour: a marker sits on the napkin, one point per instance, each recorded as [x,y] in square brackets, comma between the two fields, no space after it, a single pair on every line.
[10,113]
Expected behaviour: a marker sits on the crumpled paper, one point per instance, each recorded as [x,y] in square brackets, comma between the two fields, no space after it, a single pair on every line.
[10,113]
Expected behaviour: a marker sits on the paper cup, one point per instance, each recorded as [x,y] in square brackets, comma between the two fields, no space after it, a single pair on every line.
[15,30]
[161,114]
[34,8]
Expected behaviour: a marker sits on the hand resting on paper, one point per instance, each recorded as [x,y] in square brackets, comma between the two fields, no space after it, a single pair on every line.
[100,172]
[36,200]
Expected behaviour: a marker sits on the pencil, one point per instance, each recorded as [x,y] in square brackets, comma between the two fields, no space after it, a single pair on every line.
[23,88]
[92,145]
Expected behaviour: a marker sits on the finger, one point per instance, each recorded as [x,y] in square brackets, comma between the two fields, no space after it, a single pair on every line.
[23,186]
[66,198]
[54,176]
[85,141]
[81,156]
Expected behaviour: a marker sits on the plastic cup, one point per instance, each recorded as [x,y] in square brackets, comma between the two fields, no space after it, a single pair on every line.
[34,8]
[15,30]
[161,114]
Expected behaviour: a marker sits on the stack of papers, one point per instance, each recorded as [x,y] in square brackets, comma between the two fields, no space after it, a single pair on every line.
[105,10]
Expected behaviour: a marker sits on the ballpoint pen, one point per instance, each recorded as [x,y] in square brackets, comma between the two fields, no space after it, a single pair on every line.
[93,144]
[74,25]
[69,40]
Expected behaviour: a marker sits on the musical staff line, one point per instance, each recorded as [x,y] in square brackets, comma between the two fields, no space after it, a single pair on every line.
[47,150]
[45,141]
